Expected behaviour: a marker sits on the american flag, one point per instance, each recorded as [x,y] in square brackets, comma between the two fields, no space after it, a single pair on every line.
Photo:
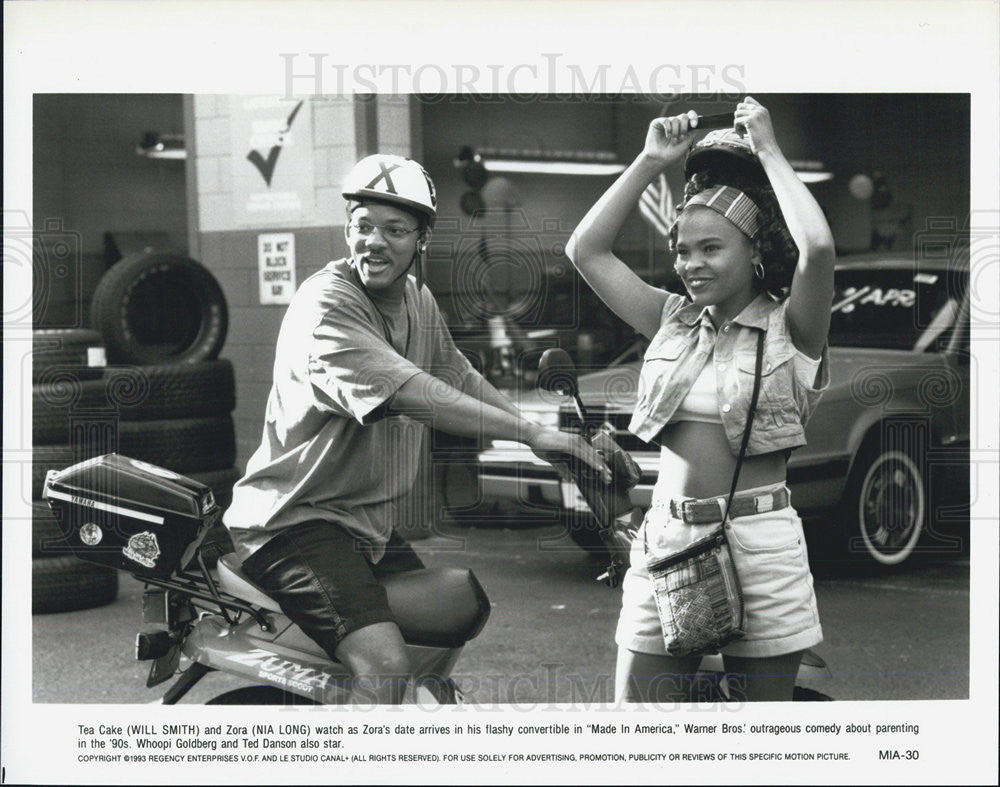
[657,206]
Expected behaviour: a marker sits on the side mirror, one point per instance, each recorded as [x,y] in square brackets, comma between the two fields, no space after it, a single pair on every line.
[557,373]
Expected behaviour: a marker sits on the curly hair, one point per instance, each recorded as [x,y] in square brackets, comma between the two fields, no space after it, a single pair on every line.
[779,254]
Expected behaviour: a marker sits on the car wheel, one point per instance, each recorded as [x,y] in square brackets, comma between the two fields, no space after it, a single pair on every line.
[885,507]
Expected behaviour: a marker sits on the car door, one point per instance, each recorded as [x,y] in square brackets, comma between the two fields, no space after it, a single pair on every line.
[955,473]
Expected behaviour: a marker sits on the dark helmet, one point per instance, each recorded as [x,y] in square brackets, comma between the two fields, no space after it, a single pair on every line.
[724,150]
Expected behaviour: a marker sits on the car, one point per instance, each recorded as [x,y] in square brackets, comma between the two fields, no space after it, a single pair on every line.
[886,469]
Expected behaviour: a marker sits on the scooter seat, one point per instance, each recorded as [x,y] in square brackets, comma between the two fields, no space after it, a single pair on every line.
[436,607]
[233,581]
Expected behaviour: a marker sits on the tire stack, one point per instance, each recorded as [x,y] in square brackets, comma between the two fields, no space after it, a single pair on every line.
[62,361]
[165,397]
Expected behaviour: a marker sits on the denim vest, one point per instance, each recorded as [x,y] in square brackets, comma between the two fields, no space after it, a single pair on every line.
[673,362]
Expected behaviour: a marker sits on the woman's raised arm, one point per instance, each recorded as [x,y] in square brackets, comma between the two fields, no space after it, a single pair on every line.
[626,294]
[812,282]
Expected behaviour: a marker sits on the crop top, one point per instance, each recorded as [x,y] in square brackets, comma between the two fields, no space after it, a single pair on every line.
[702,401]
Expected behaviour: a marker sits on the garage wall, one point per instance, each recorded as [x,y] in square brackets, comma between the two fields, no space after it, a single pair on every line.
[551,206]
[342,131]
[89,179]
[921,142]
[87,171]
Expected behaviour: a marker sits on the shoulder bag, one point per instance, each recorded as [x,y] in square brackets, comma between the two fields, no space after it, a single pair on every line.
[697,590]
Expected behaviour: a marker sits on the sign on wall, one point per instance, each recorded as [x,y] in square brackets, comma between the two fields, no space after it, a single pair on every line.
[272,145]
[276,264]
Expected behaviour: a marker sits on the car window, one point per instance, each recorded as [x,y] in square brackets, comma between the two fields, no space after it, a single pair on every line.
[894,309]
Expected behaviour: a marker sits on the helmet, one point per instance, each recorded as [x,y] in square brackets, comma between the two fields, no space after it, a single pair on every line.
[726,149]
[394,180]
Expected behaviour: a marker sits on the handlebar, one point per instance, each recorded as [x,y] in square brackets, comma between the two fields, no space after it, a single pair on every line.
[617,519]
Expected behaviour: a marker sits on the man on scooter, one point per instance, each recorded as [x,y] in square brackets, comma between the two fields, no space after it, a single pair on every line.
[363,364]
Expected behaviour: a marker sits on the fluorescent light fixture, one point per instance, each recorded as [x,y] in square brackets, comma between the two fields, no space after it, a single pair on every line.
[553,167]
[162,146]
[598,168]
[177,155]
[810,170]
[814,177]
[551,162]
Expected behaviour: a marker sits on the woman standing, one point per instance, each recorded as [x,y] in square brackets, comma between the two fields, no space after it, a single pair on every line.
[695,390]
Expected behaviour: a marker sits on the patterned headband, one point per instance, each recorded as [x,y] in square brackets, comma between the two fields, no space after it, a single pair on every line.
[732,204]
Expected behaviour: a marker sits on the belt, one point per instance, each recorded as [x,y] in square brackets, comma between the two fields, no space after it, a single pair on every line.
[711,509]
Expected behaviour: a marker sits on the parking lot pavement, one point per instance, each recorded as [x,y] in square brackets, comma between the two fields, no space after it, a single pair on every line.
[897,636]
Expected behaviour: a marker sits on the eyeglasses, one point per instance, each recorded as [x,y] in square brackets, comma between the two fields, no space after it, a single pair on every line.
[365,229]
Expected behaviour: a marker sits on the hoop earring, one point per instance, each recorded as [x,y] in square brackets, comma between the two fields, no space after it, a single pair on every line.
[758,270]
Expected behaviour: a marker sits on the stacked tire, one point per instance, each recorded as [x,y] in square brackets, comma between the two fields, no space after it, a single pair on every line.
[165,397]
[63,360]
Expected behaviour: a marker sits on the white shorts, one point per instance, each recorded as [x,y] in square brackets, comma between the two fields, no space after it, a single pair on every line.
[769,552]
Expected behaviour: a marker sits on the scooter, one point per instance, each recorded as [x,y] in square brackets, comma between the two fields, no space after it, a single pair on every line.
[618,520]
[120,512]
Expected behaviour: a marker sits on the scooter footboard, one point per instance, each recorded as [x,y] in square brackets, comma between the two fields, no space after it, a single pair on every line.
[437,607]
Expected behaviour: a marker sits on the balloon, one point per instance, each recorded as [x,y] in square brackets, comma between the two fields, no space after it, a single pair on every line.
[861,187]
[501,193]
